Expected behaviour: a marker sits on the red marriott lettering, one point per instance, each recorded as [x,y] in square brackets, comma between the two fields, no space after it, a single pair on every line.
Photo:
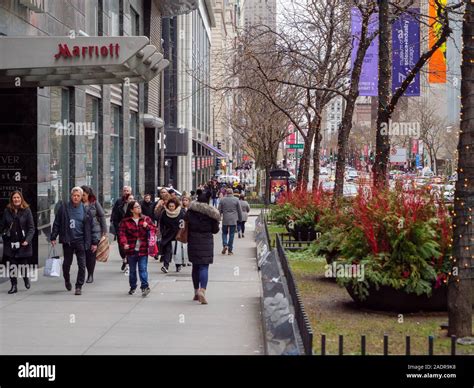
[111,50]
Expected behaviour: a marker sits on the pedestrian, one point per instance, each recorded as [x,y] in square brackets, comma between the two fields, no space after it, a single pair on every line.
[118,212]
[244,205]
[75,228]
[180,249]
[229,208]
[134,231]
[148,206]
[215,195]
[100,226]
[169,227]
[18,229]
[203,222]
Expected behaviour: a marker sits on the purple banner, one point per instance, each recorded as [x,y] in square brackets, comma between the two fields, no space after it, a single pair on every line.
[406,51]
[368,83]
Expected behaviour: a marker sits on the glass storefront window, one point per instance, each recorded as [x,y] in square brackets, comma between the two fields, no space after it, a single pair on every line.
[115,154]
[92,143]
[59,146]
[133,151]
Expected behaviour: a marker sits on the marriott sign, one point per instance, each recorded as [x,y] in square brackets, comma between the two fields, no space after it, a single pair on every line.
[87,51]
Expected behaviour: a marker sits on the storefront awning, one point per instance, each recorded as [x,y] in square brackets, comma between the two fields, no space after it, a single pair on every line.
[170,8]
[64,61]
[215,151]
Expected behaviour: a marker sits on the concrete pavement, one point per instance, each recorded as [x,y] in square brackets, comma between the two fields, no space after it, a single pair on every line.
[105,320]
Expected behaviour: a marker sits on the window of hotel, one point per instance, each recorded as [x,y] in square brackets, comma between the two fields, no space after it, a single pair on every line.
[92,17]
[133,151]
[115,17]
[135,22]
[59,143]
[92,142]
[115,154]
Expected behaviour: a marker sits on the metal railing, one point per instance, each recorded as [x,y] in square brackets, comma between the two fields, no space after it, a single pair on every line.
[302,320]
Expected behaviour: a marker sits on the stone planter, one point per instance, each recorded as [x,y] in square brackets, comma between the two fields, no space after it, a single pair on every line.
[389,299]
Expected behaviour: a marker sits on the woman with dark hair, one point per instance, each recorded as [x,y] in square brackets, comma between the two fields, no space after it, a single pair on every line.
[18,229]
[96,212]
[134,230]
[170,222]
[203,222]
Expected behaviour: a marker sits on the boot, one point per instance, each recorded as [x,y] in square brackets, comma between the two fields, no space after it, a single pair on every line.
[27,283]
[202,295]
[13,290]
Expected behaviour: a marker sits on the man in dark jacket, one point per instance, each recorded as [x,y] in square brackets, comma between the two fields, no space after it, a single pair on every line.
[148,206]
[229,207]
[203,222]
[118,213]
[75,228]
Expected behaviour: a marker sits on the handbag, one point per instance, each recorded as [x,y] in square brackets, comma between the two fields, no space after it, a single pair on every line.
[182,235]
[103,250]
[152,246]
[52,267]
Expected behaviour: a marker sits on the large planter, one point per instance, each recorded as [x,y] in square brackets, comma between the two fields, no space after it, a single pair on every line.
[302,232]
[389,299]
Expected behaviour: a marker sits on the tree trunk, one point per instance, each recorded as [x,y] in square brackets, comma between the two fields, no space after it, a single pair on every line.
[267,185]
[459,288]
[303,171]
[382,153]
[317,152]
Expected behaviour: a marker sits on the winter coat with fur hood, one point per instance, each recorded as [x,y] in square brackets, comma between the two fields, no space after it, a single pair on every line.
[203,222]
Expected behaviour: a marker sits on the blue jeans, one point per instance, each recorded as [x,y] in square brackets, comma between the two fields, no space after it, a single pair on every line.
[142,262]
[214,202]
[228,229]
[200,275]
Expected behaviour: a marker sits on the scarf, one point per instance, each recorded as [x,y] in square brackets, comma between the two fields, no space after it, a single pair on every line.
[173,214]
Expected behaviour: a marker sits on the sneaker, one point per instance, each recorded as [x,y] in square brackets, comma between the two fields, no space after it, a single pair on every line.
[224,250]
[157,257]
[132,291]
[78,291]
[164,269]
[231,253]
[178,268]
[196,295]
[145,291]
[124,265]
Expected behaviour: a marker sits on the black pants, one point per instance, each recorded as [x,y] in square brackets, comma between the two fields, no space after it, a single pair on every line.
[77,248]
[90,261]
[167,254]
[241,226]
[14,262]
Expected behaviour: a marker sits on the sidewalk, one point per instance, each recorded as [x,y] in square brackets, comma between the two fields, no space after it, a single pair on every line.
[47,319]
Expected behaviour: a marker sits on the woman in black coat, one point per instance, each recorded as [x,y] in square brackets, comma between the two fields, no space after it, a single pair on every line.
[170,221]
[18,229]
[203,222]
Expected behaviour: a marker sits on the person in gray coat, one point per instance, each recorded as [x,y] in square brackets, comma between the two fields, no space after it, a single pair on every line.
[245,213]
[229,208]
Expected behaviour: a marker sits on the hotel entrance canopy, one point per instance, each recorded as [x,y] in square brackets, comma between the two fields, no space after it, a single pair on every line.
[64,61]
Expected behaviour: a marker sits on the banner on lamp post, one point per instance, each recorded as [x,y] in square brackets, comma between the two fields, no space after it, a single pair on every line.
[406,51]
[368,82]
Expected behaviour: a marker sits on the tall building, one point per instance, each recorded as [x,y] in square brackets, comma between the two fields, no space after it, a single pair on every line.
[223,52]
[189,152]
[84,104]
[259,12]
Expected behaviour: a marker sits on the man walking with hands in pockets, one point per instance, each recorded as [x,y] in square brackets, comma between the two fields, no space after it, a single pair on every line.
[231,212]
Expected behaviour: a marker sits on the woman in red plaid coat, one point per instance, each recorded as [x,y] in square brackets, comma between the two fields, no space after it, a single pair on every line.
[134,231]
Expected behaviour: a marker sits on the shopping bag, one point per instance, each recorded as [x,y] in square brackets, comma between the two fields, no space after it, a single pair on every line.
[152,246]
[52,267]
[103,250]
[182,235]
